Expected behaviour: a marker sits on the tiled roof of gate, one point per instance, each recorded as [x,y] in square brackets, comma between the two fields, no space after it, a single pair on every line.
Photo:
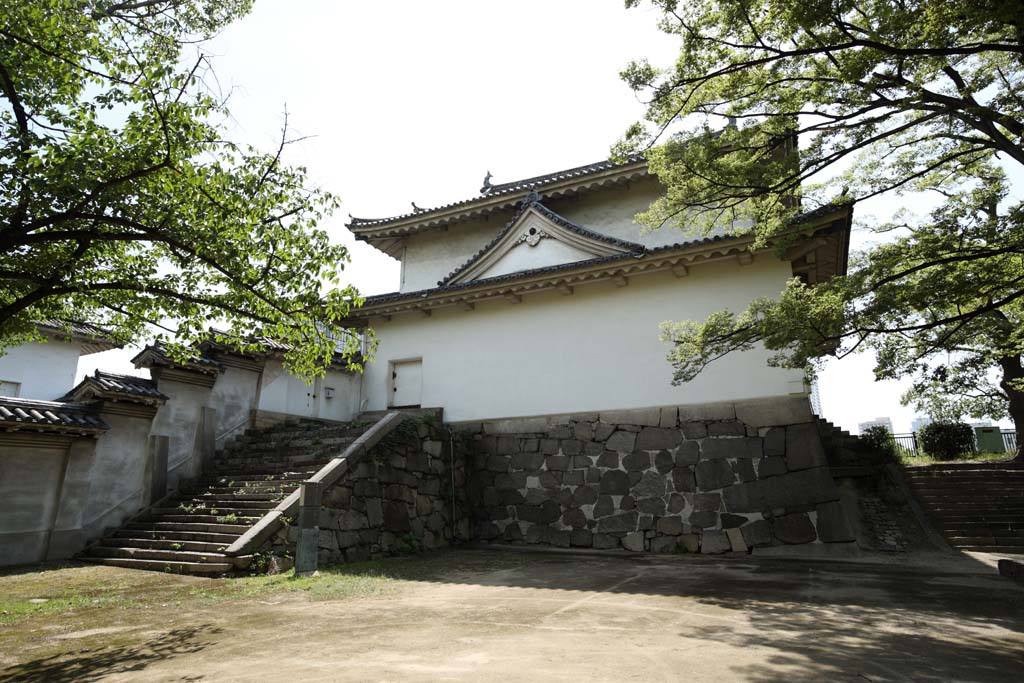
[19,413]
[110,385]
[516,186]
[534,202]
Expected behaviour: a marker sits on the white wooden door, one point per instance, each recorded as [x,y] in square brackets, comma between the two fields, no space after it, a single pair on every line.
[406,383]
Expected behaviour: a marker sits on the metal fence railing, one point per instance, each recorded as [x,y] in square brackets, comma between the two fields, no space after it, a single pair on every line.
[910,445]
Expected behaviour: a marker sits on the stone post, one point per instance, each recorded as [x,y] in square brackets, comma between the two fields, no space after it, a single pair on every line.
[309,527]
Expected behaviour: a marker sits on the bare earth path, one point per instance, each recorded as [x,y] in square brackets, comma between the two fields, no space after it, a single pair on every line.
[489,616]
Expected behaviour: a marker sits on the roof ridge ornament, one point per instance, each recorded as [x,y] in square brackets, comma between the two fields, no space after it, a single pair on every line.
[487,184]
[532,198]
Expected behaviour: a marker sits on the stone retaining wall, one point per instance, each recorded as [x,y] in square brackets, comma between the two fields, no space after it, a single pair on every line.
[711,478]
[396,499]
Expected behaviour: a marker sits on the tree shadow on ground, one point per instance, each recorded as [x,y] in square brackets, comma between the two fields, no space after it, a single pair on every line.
[94,665]
[808,620]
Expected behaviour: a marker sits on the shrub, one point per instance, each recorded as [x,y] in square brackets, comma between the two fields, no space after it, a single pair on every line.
[879,439]
[946,440]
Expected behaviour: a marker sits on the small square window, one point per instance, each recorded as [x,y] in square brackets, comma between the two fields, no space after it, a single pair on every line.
[10,388]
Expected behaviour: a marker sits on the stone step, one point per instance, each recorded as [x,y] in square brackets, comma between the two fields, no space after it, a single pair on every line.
[993,517]
[1000,541]
[176,536]
[158,544]
[168,566]
[983,530]
[234,499]
[211,510]
[186,526]
[249,489]
[293,478]
[192,518]
[235,504]
[264,469]
[156,554]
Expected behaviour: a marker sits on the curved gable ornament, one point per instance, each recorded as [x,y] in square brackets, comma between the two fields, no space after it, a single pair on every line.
[534,226]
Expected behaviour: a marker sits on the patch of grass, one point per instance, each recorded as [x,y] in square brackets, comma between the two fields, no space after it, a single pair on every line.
[922,459]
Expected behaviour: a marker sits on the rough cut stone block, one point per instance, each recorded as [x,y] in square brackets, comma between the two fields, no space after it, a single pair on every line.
[513,533]
[757,533]
[683,479]
[645,522]
[593,475]
[622,522]
[644,417]
[694,430]
[584,495]
[519,425]
[689,542]
[657,438]
[663,462]
[571,447]
[772,467]
[651,484]
[581,462]
[730,521]
[605,542]
[663,544]
[833,527]
[727,428]
[621,441]
[627,503]
[744,469]
[688,453]
[498,463]
[560,432]
[514,480]
[550,480]
[614,482]
[735,537]
[669,417]
[396,517]
[713,474]
[651,506]
[775,441]
[794,529]
[507,445]
[549,446]
[604,507]
[704,520]
[669,526]
[703,502]
[806,487]
[705,412]
[714,542]
[775,411]
[574,518]
[637,461]
[573,477]
[537,533]
[743,447]
[803,447]
[527,461]
[583,431]
[593,448]
[747,497]
[557,462]
[634,541]
[676,503]
[602,431]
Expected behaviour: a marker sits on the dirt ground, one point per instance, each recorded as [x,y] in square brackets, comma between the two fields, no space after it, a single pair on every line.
[498,616]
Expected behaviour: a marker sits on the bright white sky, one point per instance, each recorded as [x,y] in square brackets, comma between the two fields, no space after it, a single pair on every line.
[414,101]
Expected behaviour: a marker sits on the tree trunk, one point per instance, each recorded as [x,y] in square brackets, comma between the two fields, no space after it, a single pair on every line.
[1014,370]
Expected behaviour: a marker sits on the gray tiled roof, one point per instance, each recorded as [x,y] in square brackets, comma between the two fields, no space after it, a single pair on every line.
[525,274]
[533,201]
[514,187]
[18,413]
[110,385]
[156,354]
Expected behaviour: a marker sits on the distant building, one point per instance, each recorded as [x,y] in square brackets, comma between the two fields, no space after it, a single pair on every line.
[918,422]
[877,422]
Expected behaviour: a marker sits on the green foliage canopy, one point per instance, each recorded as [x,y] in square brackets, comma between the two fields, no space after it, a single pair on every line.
[123,205]
[884,97]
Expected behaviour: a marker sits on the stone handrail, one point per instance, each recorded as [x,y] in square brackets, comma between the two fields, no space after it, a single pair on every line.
[252,539]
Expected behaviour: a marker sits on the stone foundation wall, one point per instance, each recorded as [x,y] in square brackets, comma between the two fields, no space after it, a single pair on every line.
[711,478]
[396,499]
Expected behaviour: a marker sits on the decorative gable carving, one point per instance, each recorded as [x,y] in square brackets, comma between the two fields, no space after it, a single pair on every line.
[537,237]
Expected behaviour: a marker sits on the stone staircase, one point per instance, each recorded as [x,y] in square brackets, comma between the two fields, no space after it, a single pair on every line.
[977,507]
[188,533]
[848,454]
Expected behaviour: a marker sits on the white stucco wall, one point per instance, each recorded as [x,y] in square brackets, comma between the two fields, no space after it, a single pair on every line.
[45,371]
[234,397]
[595,350]
[288,394]
[430,256]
